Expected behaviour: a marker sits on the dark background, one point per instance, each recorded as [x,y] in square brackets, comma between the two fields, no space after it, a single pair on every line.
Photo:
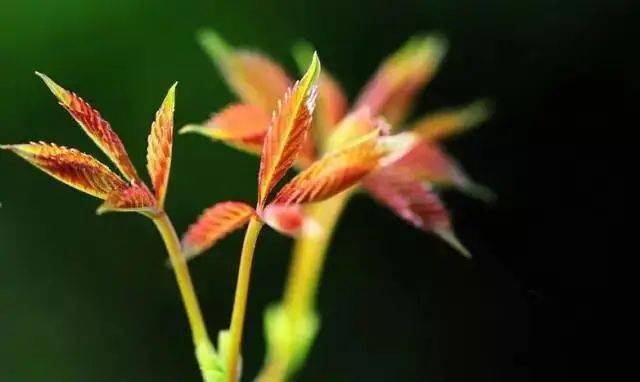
[84,298]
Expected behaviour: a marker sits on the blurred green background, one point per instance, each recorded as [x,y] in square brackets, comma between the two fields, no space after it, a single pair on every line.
[86,298]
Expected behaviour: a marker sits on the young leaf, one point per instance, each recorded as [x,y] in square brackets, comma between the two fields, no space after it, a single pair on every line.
[135,198]
[332,103]
[242,126]
[159,147]
[253,77]
[290,220]
[392,90]
[70,166]
[415,202]
[333,173]
[444,124]
[97,128]
[427,161]
[215,223]
[287,132]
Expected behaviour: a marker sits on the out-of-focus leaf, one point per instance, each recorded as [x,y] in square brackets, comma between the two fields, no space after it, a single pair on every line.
[415,202]
[97,128]
[70,166]
[255,78]
[214,224]
[332,103]
[333,173]
[446,123]
[287,132]
[294,338]
[392,90]
[242,126]
[353,127]
[160,143]
[428,161]
[308,153]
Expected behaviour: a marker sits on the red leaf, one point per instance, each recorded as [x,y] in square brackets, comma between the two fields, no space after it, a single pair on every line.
[160,143]
[70,166]
[287,132]
[333,173]
[97,128]
[214,224]
[243,126]
[136,198]
[414,201]
[428,161]
[255,78]
[393,88]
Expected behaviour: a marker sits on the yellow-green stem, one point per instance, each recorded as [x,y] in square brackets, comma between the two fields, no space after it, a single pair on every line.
[240,300]
[308,257]
[300,291]
[204,349]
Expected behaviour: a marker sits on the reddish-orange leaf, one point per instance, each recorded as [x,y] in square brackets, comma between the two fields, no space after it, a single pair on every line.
[255,78]
[97,128]
[289,220]
[215,223]
[428,161]
[135,198]
[243,126]
[333,173]
[258,80]
[443,124]
[398,80]
[399,104]
[414,201]
[71,167]
[287,132]
[160,143]
[425,160]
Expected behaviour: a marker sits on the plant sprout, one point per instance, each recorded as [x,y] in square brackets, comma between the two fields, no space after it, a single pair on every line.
[405,183]
[338,150]
[131,194]
[327,176]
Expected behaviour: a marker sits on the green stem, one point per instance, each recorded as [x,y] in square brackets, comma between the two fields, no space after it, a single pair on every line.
[240,300]
[287,349]
[204,349]
[308,257]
